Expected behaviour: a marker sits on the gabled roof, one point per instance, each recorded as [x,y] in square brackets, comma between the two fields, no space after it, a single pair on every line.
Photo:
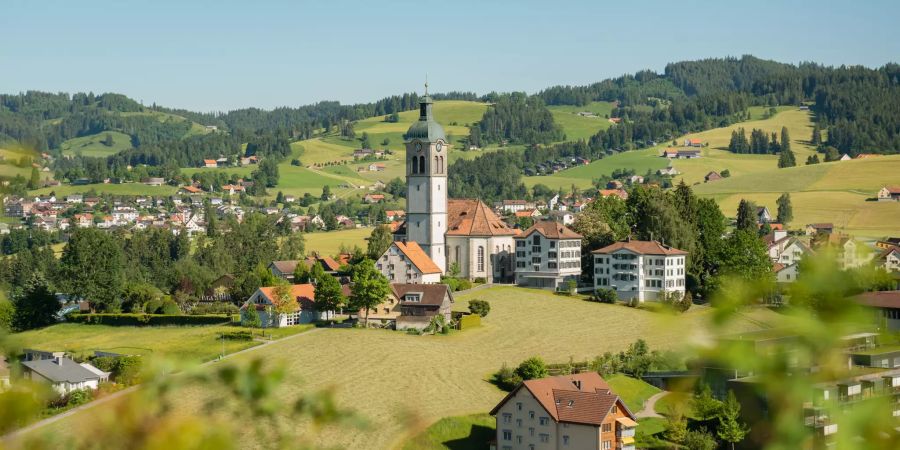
[893,189]
[470,217]
[305,294]
[583,398]
[417,257]
[642,248]
[551,229]
[61,370]
[191,189]
[432,294]
[209,161]
[882,299]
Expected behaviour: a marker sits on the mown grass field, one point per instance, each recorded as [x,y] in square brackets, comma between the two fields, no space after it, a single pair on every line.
[583,176]
[470,432]
[632,391]
[12,155]
[577,127]
[329,242]
[243,171]
[93,145]
[126,189]
[401,384]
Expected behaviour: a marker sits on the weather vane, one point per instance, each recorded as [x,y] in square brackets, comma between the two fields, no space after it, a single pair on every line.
[426,84]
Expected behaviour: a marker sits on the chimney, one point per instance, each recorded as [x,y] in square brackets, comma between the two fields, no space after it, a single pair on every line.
[577,384]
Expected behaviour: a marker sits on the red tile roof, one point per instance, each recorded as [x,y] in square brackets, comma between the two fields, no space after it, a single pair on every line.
[470,217]
[209,162]
[418,257]
[192,189]
[642,247]
[616,192]
[551,230]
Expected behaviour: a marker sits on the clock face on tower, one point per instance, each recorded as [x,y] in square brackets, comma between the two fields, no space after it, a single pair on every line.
[439,146]
[418,146]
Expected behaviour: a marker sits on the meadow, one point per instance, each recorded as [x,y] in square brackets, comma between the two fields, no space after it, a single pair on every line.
[93,145]
[583,176]
[243,171]
[125,189]
[330,242]
[577,127]
[400,384]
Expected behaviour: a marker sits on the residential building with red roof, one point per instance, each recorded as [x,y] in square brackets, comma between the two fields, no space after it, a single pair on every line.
[577,411]
[210,163]
[640,270]
[889,193]
[548,256]
[406,262]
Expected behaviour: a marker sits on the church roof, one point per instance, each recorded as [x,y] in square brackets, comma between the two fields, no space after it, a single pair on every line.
[426,128]
[471,217]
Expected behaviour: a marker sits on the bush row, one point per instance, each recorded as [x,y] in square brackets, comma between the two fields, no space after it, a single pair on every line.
[137,320]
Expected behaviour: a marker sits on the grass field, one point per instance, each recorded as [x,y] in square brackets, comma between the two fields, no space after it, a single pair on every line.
[12,155]
[673,400]
[577,127]
[385,375]
[329,242]
[582,176]
[471,432]
[632,391]
[243,171]
[127,189]
[93,145]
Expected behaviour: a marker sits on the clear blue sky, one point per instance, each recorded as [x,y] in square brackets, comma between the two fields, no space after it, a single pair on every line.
[219,55]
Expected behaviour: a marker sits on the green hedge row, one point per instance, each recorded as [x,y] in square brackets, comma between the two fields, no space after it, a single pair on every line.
[138,320]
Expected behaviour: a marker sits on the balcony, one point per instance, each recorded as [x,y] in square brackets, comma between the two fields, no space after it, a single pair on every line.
[625,432]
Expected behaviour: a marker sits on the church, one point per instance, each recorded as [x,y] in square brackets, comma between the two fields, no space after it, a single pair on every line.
[463,233]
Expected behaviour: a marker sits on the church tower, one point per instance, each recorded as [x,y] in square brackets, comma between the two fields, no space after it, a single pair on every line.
[426,183]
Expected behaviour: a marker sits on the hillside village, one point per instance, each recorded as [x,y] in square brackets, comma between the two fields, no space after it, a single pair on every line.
[520,254]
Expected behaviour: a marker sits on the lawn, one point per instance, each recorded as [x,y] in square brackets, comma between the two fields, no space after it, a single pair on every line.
[632,391]
[194,344]
[93,145]
[673,400]
[127,189]
[385,375]
[330,242]
[472,432]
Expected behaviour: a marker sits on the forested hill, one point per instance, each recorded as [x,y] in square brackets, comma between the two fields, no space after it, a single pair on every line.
[860,107]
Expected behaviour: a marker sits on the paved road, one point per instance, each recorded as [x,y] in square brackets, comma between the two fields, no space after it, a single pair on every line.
[650,406]
[24,431]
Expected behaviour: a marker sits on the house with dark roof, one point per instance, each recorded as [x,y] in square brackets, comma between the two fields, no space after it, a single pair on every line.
[577,411]
[406,262]
[816,228]
[63,374]
[548,256]
[420,303]
[640,270]
[285,269]
[886,306]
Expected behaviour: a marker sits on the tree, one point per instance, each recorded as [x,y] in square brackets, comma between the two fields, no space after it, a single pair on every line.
[676,425]
[785,140]
[35,181]
[328,292]
[36,306]
[746,216]
[379,241]
[480,307]
[7,312]
[301,273]
[832,154]
[812,159]
[744,255]
[785,210]
[730,428]
[786,159]
[251,317]
[92,268]
[108,140]
[703,404]
[370,287]
[604,295]
[816,138]
[532,368]
[700,440]
[283,299]
[326,193]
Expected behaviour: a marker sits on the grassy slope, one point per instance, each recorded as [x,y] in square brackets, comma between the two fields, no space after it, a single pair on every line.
[329,242]
[384,373]
[240,171]
[134,189]
[632,391]
[92,145]
[577,127]
[11,155]
[582,176]
[472,432]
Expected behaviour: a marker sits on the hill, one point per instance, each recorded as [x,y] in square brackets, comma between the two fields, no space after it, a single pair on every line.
[578,127]
[92,145]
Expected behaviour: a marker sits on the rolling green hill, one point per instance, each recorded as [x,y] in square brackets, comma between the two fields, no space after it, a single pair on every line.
[93,145]
[578,127]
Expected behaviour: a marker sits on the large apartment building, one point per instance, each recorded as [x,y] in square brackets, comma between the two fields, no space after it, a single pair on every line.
[639,269]
[547,255]
[406,262]
[576,411]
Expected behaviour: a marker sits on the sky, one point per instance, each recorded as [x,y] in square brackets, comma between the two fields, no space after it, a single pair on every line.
[222,55]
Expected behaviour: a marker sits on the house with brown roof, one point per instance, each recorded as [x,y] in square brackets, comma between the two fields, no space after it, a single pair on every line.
[548,256]
[373,198]
[889,194]
[640,270]
[265,299]
[285,269]
[712,176]
[889,260]
[816,228]
[479,241]
[189,189]
[577,411]
[885,304]
[406,262]
[420,303]
[621,193]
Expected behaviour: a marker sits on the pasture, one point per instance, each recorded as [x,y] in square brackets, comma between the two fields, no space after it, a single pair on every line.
[583,176]
[93,145]
[330,242]
[401,383]
[243,171]
[125,189]
[578,127]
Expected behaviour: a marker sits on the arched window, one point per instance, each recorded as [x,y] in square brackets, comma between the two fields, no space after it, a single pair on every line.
[421,164]
[437,168]
[442,164]
[412,162]
[480,264]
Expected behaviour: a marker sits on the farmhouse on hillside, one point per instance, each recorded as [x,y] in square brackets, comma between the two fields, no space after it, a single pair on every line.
[548,255]
[889,193]
[577,411]
[420,303]
[639,270]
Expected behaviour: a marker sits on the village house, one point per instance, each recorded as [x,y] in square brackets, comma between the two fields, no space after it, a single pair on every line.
[377,167]
[639,270]
[786,252]
[887,242]
[564,217]
[189,189]
[61,373]
[813,229]
[210,163]
[614,184]
[478,241]
[513,206]
[528,213]
[285,269]
[420,303]
[406,262]
[845,157]
[621,193]
[373,198]
[712,176]
[232,189]
[886,305]
[693,143]
[577,411]
[763,215]
[548,255]
[394,214]
[889,259]
[889,193]
[636,179]
[154,181]
[264,301]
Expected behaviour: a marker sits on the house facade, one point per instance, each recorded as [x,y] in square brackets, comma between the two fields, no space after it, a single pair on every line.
[548,255]
[889,193]
[63,374]
[640,270]
[577,411]
[420,303]
[264,302]
[406,262]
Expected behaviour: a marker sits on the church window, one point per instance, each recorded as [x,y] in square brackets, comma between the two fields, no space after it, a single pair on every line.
[437,168]
[456,254]
[480,259]
[412,161]
[421,164]
[442,164]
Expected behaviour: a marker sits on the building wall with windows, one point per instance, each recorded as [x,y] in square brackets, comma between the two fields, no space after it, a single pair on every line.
[523,424]
[488,257]
[546,262]
[637,274]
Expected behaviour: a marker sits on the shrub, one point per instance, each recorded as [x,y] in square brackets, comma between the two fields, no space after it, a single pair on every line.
[237,336]
[445,329]
[153,306]
[479,280]
[480,307]
[124,369]
[532,368]
[169,308]
[78,397]
[214,308]
[506,378]
[700,440]
[137,320]
[604,295]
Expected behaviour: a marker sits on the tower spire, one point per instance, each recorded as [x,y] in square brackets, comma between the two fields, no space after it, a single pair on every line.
[426,84]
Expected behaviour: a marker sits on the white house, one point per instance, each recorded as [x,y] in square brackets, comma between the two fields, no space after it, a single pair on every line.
[406,262]
[639,269]
[564,217]
[786,273]
[547,255]
[889,193]
[512,206]
[264,302]
[889,259]
[63,374]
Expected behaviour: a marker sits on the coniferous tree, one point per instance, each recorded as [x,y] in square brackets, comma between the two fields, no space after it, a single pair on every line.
[812,159]
[36,306]
[785,210]
[746,216]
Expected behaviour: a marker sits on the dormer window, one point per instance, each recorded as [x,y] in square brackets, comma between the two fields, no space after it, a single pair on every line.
[413,297]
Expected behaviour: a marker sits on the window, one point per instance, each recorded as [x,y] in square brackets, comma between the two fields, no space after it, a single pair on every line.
[565,440]
[531,415]
[480,259]
[519,406]
[531,431]
[507,418]
[507,435]
[421,164]
[518,439]
[606,445]
[607,427]
[519,423]
[545,437]
[544,420]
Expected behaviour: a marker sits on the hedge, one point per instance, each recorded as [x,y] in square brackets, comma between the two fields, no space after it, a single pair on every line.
[469,321]
[139,320]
